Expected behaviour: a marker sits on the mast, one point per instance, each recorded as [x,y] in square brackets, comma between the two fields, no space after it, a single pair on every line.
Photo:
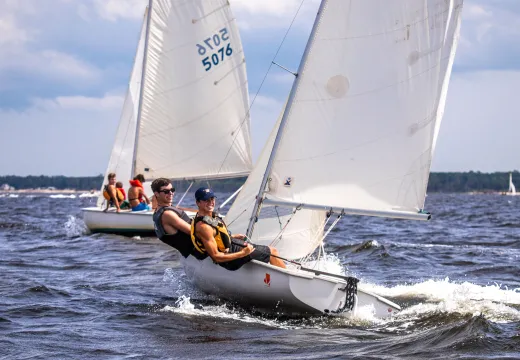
[140,106]
[292,94]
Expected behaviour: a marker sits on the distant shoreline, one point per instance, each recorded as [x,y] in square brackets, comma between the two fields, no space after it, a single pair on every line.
[46,191]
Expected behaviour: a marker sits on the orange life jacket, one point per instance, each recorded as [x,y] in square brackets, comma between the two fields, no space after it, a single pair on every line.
[119,194]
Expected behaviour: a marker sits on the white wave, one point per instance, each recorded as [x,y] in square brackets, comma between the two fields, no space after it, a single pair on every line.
[89,195]
[13,195]
[75,227]
[62,196]
[495,302]
[329,263]
[184,306]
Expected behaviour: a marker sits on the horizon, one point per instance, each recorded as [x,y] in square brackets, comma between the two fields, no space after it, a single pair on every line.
[432,172]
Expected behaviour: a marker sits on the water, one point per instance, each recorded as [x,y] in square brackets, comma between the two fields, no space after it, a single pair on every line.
[65,293]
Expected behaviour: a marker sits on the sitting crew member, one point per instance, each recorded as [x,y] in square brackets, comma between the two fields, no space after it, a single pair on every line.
[211,237]
[136,195]
[124,204]
[112,195]
[172,225]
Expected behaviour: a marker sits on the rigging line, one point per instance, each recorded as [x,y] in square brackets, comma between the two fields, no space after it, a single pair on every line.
[278,215]
[301,267]
[242,213]
[261,85]
[325,222]
[278,237]
[324,236]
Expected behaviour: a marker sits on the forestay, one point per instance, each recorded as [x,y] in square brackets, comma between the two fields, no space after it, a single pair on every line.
[123,149]
[193,120]
[362,126]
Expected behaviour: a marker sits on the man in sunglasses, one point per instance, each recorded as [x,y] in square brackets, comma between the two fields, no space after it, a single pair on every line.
[172,224]
[211,237]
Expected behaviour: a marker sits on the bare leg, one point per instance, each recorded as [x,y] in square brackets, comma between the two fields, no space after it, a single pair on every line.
[275,261]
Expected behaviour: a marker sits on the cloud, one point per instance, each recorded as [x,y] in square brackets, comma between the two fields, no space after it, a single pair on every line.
[66,135]
[490,36]
[10,33]
[84,103]
[49,64]
[270,15]
[120,9]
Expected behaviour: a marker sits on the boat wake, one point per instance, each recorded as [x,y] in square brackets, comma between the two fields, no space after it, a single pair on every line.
[443,297]
[421,302]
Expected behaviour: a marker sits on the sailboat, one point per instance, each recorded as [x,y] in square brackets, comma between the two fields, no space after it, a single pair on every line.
[356,137]
[185,115]
[512,189]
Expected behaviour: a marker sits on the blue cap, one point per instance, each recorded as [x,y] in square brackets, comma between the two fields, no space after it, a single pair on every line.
[204,194]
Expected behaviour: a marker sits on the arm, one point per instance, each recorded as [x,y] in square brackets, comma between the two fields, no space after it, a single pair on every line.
[144,195]
[205,233]
[187,209]
[113,194]
[169,218]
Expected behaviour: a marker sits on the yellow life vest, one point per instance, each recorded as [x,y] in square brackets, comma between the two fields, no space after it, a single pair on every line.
[222,236]
[119,194]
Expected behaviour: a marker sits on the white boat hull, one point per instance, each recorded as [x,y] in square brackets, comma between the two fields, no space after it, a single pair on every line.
[289,290]
[124,222]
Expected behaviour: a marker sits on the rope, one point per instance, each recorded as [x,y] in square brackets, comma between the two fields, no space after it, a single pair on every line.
[278,215]
[306,258]
[278,237]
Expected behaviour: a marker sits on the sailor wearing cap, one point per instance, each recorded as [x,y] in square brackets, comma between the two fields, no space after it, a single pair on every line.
[211,237]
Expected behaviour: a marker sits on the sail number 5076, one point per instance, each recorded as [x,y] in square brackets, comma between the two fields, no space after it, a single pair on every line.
[215,45]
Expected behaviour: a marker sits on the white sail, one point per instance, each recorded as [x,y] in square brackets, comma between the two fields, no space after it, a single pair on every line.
[123,149]
[512,188]
[194,119]
[364,118]
[300,237]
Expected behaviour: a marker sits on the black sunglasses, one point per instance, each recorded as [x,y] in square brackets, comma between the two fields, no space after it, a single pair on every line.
[167,191]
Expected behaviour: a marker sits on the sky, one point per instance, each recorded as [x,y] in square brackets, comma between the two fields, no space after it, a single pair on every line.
[65,64]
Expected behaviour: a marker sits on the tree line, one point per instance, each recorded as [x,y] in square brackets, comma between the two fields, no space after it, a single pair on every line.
[448,182]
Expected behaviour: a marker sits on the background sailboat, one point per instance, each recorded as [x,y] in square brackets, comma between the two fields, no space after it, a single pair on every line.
[512,189]
[357,136]
[185,114]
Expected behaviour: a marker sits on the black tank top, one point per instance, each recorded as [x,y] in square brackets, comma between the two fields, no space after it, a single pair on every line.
[180,240]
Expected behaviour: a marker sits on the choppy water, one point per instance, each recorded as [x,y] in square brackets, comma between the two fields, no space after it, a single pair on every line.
[65,293]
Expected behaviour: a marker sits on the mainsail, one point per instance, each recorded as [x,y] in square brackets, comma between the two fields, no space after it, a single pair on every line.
[193,120]
[185,115]
[365,113]
[360,127]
